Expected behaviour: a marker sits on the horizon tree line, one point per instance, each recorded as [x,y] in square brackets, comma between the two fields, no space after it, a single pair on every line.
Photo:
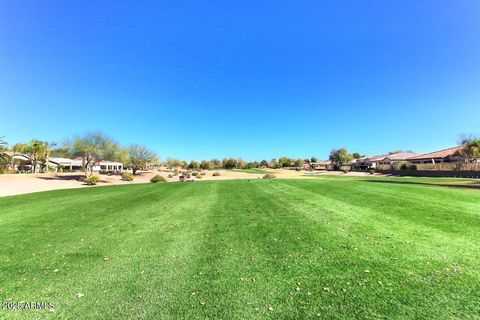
[96,146]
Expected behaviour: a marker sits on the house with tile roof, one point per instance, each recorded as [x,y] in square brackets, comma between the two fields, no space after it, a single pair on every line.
[373,162]
[399,156]
[441,156]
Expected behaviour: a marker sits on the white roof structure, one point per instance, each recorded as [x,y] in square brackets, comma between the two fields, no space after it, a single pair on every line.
[65,161]
[21,157]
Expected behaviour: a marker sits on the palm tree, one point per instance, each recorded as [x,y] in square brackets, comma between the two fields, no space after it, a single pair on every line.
[3,150]
[47,149]
[37,150]
[471,149]
[34,149]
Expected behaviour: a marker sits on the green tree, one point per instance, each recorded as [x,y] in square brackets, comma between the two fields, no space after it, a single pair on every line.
[229,163]
[274,163]
[194,165]
[34,149]
[285,162]
[264,163]
[298,163]
[91,147]
[313,159]
[205,165]
[253,164]
[216,164]
[471,149]
[340,156]
[60,152]
[241,164]
[139,157]
[4,157]
[356,155]
[174,163]
[47,149]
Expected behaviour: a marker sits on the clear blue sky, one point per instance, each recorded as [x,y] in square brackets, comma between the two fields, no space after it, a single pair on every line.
[251,79]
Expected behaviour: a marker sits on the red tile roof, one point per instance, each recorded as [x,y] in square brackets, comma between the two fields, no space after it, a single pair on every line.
[376,158]
[399,156]
[438,154]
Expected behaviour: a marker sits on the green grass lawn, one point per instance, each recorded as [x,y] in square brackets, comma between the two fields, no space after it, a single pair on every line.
[293,249]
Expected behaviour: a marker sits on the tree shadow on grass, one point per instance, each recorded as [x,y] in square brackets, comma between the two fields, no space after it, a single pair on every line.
[471,185]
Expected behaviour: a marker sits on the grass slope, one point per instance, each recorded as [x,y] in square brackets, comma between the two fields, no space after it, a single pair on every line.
[328,248]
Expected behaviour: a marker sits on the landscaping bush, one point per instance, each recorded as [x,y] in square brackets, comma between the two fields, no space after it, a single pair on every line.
[203,173]
[158,178]
[127,176]
[170,176]
[408,166]
[199,176]
[92,180]
[371,171]
[269,176]
[216,174]
[7,171]
[346,170]
[195,173]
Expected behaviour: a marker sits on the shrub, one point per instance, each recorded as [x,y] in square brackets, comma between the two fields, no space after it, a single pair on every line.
[195,173]
[199,176]
[92,180]
[170,176]
[7,171]
[158,178]
[408,166]
[269,176]
[371,171]
[203,173]
[216,174]
[127,176]
[346,169]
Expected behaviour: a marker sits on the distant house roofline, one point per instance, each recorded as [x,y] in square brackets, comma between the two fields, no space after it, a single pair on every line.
[444,153]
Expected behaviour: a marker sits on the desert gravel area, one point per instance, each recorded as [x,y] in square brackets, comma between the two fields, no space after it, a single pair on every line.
[13,184]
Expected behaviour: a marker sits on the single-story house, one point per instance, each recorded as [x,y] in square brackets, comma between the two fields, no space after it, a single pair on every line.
[108,166]
[22,162]
[441,156]
[68,164]
[373,162]
[321,165]
[398,157]
[76,165]
[358,163]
